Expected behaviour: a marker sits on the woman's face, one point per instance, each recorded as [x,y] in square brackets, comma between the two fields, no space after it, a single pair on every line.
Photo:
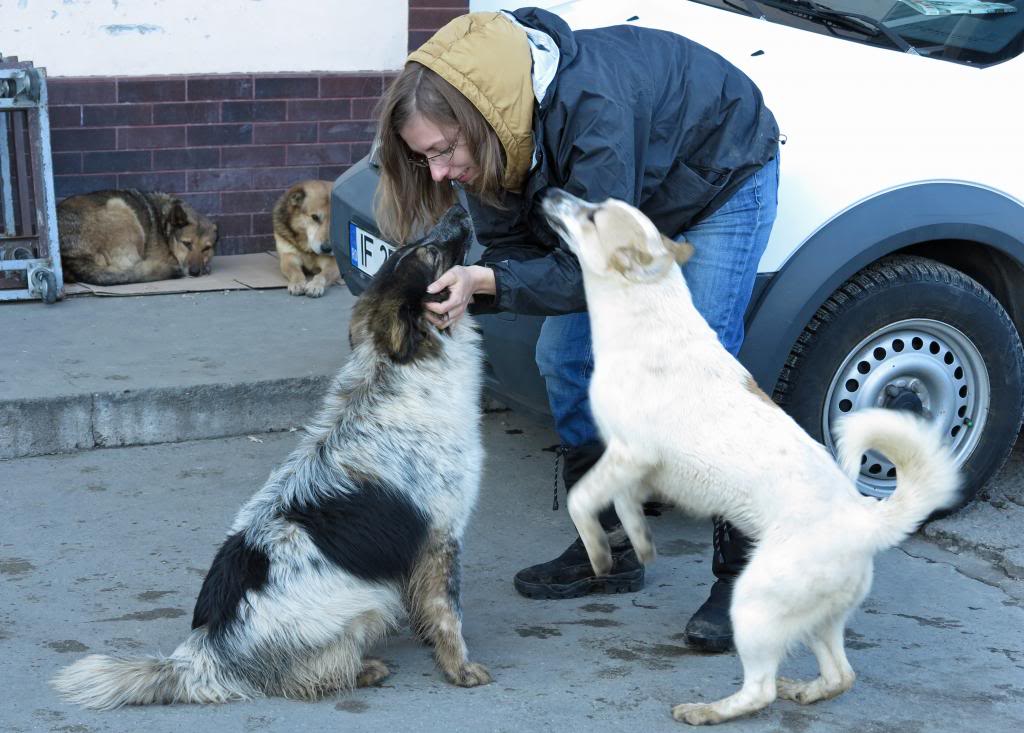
[427,140]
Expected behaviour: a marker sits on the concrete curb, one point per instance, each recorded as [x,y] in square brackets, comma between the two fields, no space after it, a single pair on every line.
[66,423]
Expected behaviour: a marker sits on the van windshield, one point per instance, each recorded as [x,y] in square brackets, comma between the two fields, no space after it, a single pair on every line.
[975,32]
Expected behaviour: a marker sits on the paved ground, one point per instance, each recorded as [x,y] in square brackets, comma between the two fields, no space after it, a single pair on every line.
[92,371]
[104,550]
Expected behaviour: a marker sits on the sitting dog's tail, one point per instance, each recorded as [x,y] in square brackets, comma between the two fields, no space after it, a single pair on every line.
[926,475]
[190,674]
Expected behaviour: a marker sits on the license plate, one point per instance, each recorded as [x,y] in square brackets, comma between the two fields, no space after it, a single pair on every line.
[366,251]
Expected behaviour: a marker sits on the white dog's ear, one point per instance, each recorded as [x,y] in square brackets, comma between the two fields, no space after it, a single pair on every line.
[681,251]
[639,265]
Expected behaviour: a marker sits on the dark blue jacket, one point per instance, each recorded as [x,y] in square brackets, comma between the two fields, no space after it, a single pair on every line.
[637,114]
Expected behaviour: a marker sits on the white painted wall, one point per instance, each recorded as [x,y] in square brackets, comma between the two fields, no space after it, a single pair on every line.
[476,6]
[143,37]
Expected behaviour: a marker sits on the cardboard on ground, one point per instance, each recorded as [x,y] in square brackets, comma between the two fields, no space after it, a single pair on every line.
[228,272]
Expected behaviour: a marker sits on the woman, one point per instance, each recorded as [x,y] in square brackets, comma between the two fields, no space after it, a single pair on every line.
[504,105]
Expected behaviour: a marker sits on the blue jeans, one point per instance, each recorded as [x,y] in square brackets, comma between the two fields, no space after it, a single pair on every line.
[728,246]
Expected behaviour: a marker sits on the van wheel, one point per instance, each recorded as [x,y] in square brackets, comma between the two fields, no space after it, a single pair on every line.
[911,333]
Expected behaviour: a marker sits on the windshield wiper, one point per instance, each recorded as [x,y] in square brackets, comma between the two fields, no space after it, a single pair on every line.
[855,22]
[750,7]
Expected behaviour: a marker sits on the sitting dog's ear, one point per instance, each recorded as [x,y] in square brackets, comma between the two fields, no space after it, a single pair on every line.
[405,333]
[681,251]
[396,313]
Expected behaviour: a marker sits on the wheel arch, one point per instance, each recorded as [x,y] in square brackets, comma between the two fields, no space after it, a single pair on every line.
[976,230]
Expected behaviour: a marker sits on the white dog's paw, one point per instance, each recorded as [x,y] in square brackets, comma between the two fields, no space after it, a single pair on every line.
[646,553]
[643,545]
[696,714]
[788,689]
[601,557]
[812,691]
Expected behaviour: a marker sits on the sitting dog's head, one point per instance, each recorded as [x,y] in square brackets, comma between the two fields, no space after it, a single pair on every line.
[613,239]
[304,211]
[391,310]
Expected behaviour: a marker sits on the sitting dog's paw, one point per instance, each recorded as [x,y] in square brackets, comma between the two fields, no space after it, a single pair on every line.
[695,713]
[373,671]
[314,288]
[470,674]
[297,288]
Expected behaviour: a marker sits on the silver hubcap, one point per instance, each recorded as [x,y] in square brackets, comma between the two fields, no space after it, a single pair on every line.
[918,364]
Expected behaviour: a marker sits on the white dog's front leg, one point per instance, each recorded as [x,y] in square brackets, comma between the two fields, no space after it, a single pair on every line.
[614,473]
[629,507]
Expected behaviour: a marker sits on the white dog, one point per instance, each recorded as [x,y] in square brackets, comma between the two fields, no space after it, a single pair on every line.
[694,428]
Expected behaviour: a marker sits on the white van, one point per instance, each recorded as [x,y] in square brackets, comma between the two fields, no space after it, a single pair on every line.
[895,272]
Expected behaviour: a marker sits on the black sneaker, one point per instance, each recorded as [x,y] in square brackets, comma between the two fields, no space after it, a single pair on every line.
[570,575]
[710,629]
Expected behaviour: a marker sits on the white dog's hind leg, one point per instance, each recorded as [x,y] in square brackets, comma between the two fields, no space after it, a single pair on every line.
[631,514]
[615,472]
[836,676]
[761,648]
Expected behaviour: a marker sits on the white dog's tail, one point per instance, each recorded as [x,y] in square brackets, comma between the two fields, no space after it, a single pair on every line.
[190,674]
[926,475]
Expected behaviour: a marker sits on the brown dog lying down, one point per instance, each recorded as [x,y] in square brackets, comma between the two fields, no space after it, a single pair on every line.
[302,224]
[130,236]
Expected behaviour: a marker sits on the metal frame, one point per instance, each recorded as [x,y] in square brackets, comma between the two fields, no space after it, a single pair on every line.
[28,236]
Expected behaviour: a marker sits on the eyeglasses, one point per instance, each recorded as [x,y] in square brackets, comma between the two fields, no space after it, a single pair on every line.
[445,156]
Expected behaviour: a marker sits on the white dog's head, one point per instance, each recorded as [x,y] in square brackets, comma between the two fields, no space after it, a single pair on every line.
[613,239]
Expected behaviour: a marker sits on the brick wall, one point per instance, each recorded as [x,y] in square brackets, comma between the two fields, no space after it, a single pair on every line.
[228,144]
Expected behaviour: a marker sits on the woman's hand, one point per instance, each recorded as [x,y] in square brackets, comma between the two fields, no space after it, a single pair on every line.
[462,284]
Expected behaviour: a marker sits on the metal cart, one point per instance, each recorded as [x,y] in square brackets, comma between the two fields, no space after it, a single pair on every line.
[29,250]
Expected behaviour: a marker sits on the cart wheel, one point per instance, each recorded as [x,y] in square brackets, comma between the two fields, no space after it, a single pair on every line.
[46,284]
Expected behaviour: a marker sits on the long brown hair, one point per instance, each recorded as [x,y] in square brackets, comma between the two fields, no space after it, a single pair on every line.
[408,199]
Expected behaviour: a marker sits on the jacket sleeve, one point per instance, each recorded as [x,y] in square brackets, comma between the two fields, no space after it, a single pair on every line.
[529,277]
[592,158]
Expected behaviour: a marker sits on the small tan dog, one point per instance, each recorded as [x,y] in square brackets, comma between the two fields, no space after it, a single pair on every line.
[694,428]
[302,224]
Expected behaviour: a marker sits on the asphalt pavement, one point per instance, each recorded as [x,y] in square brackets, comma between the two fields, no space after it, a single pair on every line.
[113,509]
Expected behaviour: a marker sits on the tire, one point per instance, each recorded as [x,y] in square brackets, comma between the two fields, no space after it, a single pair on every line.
[911,333]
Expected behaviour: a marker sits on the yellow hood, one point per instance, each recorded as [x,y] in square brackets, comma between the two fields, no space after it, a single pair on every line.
[487,57]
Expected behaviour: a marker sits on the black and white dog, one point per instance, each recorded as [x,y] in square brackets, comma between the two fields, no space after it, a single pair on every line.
[366,516]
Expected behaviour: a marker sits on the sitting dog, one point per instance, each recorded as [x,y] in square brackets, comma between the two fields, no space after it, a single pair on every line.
[130,236]
[694,428]
[365,516]
[302,226]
